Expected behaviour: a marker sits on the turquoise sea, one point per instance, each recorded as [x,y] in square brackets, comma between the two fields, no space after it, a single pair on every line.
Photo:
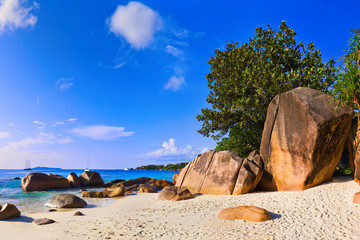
[11,191]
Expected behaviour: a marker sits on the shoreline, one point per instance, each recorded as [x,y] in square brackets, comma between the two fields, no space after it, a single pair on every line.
[322,212]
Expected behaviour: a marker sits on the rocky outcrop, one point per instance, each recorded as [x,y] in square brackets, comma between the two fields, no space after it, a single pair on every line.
[74,180]
[137,183]
[247,213]
[303,139]
[107,193]
[43,221]
[66,201]
[91,179]
[174,193]
[93,194]
[41,181]
[147,189]
[221,172]
[9,211]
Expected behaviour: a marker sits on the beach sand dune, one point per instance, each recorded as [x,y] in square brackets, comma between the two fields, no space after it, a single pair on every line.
[322,212]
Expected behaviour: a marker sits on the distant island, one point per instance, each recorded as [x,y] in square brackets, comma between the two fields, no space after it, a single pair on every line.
[174,167]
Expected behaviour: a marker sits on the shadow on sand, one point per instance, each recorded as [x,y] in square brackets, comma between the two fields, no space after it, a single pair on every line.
[274,215]
[24,219]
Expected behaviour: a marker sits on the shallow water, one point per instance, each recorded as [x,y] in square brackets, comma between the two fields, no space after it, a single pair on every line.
[11,191]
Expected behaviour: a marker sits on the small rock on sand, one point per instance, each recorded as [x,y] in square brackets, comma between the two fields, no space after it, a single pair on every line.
[43,221]
[78,213]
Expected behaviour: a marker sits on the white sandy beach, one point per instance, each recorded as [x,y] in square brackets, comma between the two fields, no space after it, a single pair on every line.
[322,212]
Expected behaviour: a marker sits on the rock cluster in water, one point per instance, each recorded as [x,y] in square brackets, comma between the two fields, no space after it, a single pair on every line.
[42,181]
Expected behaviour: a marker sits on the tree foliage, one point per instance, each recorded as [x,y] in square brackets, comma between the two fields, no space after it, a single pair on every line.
[245,78]
[347,86]
[169,166]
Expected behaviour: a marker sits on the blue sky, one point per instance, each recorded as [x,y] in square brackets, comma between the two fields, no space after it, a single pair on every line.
[124,81]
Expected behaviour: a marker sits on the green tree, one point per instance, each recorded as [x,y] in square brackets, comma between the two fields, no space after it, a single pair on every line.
[244,79]
[347,87]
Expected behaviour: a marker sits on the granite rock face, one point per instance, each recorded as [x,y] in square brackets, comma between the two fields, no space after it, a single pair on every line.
[247,213]
[303,139]
[42,181]
[66,201]
[221,173]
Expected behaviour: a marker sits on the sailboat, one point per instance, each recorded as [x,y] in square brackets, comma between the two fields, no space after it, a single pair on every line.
[27,165]
[87,164]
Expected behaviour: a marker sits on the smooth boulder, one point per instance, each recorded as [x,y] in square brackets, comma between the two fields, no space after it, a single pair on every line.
[247,213]
[303,139]
[221,173]
[174,193]
[41,181]
[74,180]
[66,201]
[91,179]
[9,211]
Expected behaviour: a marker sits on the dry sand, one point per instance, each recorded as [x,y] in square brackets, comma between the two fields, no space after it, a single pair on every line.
[322,212]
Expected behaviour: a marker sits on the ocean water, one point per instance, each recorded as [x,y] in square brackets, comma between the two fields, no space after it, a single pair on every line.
[11,191]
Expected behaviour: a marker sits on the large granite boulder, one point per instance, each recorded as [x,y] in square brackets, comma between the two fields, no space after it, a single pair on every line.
[42,181]
[9,211]
[174,193]
[74,180]
[91,179]
[247,213]
[66,201]
[303,139]
[221,172]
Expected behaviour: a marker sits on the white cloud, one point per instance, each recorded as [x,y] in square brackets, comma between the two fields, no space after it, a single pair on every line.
[102,132]
[14,14]
[175,83]
[72,119]
[11,124]
[64,83]
[173,51]
[4,134]
[65,140]
[59,123]
[39,124]
[136,23]
[119,65]
[170,150]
